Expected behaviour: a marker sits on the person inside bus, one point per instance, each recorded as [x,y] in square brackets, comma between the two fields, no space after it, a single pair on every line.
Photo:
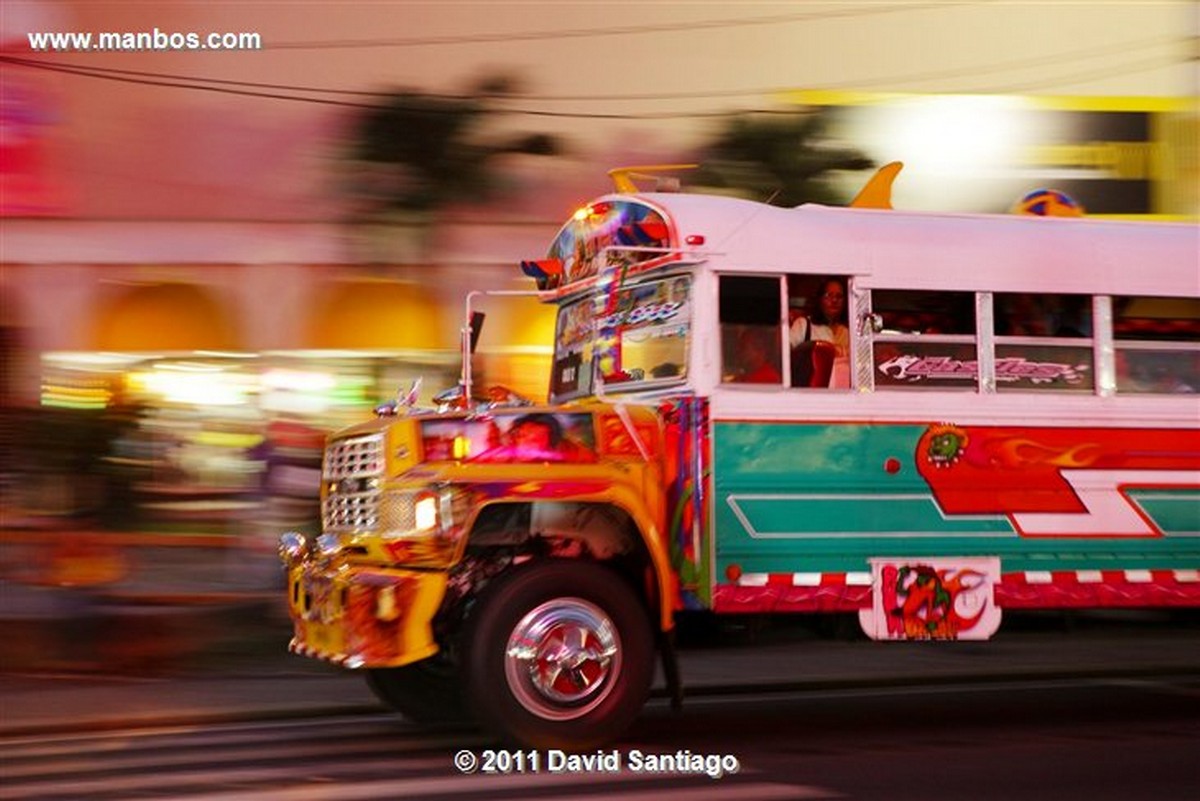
[537,436]
[531,436]
[756,358]
[828,322]
[1024,314]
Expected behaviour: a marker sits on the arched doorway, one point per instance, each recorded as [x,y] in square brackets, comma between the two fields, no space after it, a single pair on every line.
[377,314]
[164,317]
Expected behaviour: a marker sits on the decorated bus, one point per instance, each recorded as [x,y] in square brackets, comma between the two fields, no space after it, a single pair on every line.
[923,420]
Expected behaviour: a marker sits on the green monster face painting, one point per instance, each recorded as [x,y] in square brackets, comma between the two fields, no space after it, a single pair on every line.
[946,445]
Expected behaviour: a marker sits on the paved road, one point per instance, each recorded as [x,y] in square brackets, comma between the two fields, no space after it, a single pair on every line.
[265,682]
[1100,739]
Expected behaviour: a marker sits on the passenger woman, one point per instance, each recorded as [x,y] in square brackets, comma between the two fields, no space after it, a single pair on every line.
[827,323]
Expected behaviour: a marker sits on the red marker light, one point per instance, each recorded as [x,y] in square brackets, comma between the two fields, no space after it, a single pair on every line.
[694,239]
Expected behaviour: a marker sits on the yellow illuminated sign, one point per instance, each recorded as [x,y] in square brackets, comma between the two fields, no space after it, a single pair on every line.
[1133,157]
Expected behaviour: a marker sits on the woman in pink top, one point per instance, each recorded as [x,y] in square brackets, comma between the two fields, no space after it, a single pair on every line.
[827,323]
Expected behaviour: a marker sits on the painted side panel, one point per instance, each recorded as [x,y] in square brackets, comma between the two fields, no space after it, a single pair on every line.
[688,524]
[821,499]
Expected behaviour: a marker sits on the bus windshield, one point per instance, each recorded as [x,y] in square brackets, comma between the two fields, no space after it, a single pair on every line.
[633,338]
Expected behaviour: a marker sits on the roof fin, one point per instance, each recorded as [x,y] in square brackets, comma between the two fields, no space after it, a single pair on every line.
[877,194]
[623,177]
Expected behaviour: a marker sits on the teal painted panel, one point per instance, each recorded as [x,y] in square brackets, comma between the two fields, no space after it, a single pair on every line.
[838,457]
[826,498]
[1175,511]
[850,515]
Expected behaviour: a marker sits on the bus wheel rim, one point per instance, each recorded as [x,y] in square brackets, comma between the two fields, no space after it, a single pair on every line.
[562,658]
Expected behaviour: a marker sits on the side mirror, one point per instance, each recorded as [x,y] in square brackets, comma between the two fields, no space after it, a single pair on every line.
[476,325]
[870,323]
[403,400]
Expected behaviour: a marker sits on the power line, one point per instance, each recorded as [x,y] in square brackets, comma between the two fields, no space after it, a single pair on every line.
[1117,70]
[174,84]
[1016,64]
[1081,77]
[191,81]
[88,73]
[620,30]
[101,72]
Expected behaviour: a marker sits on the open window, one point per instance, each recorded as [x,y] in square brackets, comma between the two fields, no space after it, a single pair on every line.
[819,331]
[751,330]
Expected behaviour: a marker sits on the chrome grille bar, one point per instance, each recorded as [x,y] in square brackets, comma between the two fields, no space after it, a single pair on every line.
[354,457]
[349,464]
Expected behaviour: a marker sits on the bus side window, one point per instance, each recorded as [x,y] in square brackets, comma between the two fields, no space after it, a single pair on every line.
[1043,342]
[751,330]
[927,340]
[1157,344]
[818,331]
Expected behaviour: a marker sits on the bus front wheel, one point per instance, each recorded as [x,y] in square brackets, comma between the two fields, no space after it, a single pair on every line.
[560,655]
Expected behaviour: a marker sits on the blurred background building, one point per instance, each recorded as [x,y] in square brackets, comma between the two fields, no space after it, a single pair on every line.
[212,257]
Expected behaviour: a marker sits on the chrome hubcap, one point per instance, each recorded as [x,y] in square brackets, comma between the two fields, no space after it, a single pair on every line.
[562,657]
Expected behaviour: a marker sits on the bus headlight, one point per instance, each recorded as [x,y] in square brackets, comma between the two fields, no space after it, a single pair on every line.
[433,511]
[425,512]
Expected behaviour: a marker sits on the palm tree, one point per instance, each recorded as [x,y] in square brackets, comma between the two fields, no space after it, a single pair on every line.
[412,154]
[783,158]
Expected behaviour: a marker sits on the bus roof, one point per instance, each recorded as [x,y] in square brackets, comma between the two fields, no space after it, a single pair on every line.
[968,252]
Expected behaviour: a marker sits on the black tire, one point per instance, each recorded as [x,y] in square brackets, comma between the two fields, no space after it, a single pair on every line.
[563,611]
[427,692]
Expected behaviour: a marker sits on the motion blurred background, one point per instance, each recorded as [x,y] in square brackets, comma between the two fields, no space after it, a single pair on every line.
[211,258]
